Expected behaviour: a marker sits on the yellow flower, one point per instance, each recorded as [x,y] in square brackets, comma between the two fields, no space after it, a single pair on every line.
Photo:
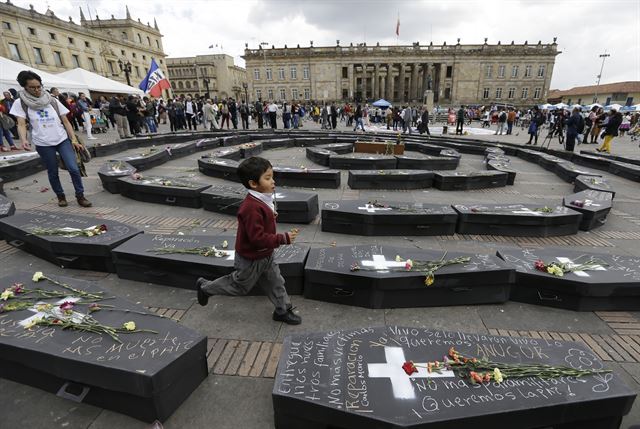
[89,234]
[225,244]
[398,258]
[555,270]
[43,307]
[37,276]
[129,326]
[429,279]
[497,375]
[6,294]
[31,323]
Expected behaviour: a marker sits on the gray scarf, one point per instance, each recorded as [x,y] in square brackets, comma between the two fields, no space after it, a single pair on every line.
[36,103]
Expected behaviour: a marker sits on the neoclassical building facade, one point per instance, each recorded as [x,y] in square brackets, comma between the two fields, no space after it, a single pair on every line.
[516,74]
[47,42]
[214,76]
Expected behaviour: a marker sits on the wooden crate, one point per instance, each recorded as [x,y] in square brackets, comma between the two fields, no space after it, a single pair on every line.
[378,147]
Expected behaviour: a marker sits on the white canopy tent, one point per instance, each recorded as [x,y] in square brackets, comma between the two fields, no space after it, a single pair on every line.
[9,72]
[98,83]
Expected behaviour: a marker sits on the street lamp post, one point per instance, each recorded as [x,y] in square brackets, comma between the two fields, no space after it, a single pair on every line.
[206,85]
[245,85]
[604,57]
[126,68]
[264,55]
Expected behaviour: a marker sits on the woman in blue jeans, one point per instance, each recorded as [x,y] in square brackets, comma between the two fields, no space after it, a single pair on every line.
[51,133]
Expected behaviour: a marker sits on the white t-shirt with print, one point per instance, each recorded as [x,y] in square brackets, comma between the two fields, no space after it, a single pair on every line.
[46,126]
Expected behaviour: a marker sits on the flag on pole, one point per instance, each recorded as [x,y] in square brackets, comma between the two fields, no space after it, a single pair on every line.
[398,26]
[155,81]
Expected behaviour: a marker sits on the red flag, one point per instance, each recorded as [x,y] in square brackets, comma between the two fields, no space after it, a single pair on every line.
[398,27]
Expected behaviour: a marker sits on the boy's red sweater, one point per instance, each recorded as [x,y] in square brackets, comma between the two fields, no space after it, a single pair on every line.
[257,237]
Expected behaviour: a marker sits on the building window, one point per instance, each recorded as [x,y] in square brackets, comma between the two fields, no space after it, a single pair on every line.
[294,73]
[161,62]
[187,85]
[71,41]
[281,73]
[485,93]
[536,93]
[259,94]
[307,94]
[158,44]
[52,36]
[498,93]
[541,70]
[144,58]
[125,36]
[270,94]
[527,71]
[294,93]
[57,58]
[122,52]
[514,71]
[345,72]
[488,71]
[447,93]
[148,40]
[138,71]
[37,53]
[256,75]
[112,69]
[6,25]
[449,71]
[15,52]
[139,38]
[92,64]
[512,93]
[134,55]
[87,44]
[269,77]
[32,31]
[283,94]
[305,73]
[180,85]
[75,60]
[501,71]
[345,93]
[525,93]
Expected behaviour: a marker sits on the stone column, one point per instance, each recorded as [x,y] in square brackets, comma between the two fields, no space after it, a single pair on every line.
[376,82]
[391,81]
[382,91]
[443,78]
[350,74]
[401,83]
[414,83]
[364,82]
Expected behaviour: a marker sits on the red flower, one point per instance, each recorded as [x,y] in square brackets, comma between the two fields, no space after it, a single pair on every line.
[409,367]
[67,305]
[539,265]
[57,322]
[17,288]
[103,228]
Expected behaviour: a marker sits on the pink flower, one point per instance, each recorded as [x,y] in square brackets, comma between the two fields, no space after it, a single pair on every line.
[67,305]
[540,266]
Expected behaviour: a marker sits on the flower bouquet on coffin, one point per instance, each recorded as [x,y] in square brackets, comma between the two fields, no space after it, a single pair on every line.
[71,232]
[559,269]
[428,268]
[206,251]
[478,371]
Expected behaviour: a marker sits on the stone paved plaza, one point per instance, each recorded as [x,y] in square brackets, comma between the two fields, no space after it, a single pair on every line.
[237,393]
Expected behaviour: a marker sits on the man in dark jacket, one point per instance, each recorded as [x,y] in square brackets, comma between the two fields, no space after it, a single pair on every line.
[424,122]
[575,126]
[610,130]
[459,120]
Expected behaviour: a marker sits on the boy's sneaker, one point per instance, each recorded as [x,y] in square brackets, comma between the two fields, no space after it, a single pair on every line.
[290,318]
[203,298]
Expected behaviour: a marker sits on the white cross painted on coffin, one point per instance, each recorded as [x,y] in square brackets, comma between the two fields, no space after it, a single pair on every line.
[277,196]
[526,210]
[570,264]
[400,381]
[75,316]
[231,254]
[370,208]
[380,262]
[590,203]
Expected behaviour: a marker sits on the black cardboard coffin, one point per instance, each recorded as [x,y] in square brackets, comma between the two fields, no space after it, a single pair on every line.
[221,168]
[591,161]
[372,218]
[134,261]
[351,380]
[7,207]
[418,161]
[169,191]
[148,376]
[147,159]
[208,143]
[426,148]
[594,206]
[16,167]
[626,170]
[613,286]
[466,180]
[178,150]
[568,171]
[504,167]
[88,253]
[390,179]
[247,150]
[362,161]
[109,149]
[339,148]
[330,276]
[319,156]
[602,184]
[235,139]
[277,143]
[530,155]
[224,153]
[306,177]
[548,162]
[111,171]
[517,220]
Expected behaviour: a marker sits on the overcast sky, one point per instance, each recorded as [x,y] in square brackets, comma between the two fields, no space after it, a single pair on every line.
[585,28]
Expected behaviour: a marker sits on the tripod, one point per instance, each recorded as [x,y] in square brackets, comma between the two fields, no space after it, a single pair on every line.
[555,130]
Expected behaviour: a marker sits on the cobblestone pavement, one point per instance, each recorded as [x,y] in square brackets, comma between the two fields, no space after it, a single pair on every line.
[244,344]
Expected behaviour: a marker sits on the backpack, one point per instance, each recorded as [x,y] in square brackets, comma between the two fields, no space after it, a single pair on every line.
[580,125]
